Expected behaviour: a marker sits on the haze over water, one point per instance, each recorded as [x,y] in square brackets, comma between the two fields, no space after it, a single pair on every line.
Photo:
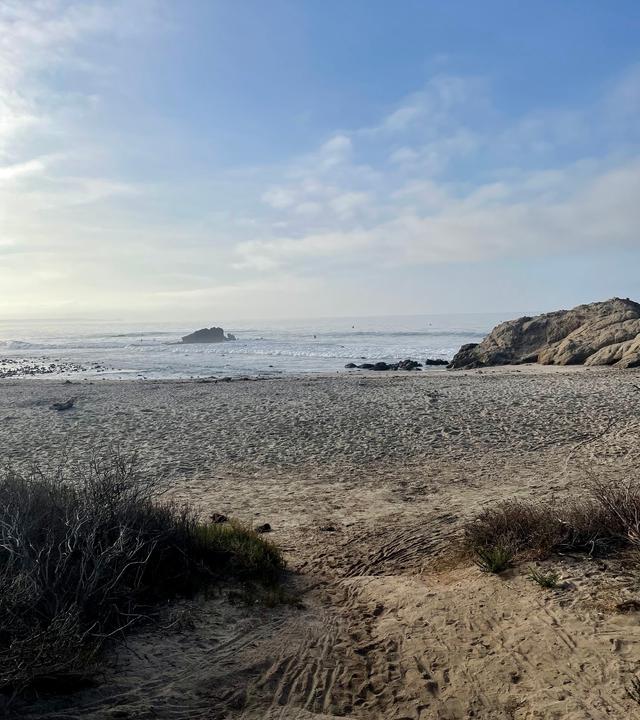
[153,350]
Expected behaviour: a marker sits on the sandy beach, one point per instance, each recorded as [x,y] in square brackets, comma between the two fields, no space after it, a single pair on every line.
[319,360]
[365,479]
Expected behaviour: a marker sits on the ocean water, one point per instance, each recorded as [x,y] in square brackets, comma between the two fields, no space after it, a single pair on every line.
[152,350]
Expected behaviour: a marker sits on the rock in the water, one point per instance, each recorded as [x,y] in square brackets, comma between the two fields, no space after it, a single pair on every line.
[602,333]
[218,518]
[436,361]
[266,528]
[208,335]
[381,366]
[408,364]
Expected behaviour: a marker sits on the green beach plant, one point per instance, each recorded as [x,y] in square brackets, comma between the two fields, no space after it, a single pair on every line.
[494,559]
[87,553]
[245,553]
[545,580]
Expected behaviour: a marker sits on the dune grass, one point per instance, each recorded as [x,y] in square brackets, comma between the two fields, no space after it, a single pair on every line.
[243,552]
[548,580]
[605,519]
[88,553]
[494,559]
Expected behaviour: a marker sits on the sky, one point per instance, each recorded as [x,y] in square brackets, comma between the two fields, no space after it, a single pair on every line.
[296,158]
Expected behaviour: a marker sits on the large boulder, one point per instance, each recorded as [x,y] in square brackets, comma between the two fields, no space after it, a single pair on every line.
[208,335]
[602,333]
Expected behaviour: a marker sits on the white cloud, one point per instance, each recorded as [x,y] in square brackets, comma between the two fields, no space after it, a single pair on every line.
[346,204]
[489,222]
[433,157]
[29,167]
[335,151]
[404,155]
[271,254]
[36,36]
[308,208]
[38,39]
[407,208]
[442,177]
[444,99]
[48,173]
[402,117]
[278,198]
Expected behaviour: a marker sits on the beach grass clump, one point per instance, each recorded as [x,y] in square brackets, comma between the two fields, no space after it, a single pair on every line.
[245,553]
[494,559]
[547,580]
[87,553]
[605,519]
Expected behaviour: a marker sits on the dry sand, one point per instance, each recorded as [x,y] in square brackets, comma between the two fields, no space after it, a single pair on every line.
[365,479]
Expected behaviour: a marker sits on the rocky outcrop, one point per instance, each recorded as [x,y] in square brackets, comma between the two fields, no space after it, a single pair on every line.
[208,335]
[602,333]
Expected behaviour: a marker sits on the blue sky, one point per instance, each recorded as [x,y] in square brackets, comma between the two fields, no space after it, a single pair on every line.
[288,158]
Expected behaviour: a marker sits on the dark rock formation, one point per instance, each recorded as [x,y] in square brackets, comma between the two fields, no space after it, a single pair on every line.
[381,365]
[208,335]
[408,364]
[436,361]
[602,333]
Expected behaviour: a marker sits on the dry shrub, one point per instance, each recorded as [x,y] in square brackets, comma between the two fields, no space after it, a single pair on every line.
[86,556]
[620,503]
[512,524]
[606,518]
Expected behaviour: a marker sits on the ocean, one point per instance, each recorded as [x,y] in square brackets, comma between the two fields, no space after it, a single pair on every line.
[152,350]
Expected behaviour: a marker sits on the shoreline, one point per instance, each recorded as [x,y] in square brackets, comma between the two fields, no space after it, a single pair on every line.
[525,368]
